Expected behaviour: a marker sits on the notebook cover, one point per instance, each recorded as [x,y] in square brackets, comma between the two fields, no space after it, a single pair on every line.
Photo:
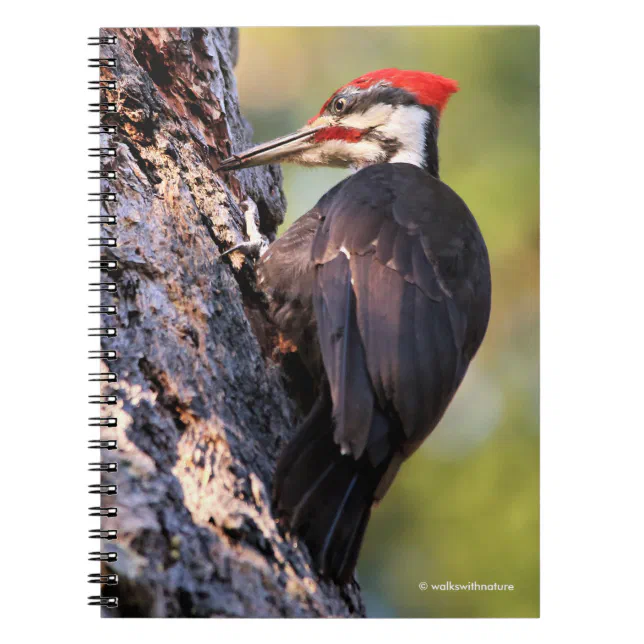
[202,385]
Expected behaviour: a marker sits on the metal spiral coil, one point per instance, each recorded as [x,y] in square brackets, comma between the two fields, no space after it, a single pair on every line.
[103,467]
[102,62]
[103,376]
[103,264]
[103,309]
[105,287]
[103,220]
[102,400]
[102,332]
[106,602]
[101,196]
[109,580]
[103,556]
[102,241]
[102,174]
[101,152]
[101,40]
[102,84]
[103,490]
[101,421]
[108,535]
[100,511]
[101,354]
[107,107]
[103,128]
[104,107]
[98,444]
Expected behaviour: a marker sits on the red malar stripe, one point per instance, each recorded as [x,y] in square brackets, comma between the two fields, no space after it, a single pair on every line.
[336,133]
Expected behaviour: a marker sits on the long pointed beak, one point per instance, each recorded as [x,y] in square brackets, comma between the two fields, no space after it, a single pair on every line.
[271,151]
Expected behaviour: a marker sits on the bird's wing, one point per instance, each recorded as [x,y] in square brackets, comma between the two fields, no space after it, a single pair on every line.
[398,301]
[287,265]
[295,244]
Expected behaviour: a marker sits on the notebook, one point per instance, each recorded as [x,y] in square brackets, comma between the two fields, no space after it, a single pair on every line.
[316,336]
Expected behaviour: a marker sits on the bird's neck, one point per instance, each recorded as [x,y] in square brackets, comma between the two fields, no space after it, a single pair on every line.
[416,131]
[431,148]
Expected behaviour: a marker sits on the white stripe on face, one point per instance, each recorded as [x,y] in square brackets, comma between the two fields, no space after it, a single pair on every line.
[376,116]
[405,124]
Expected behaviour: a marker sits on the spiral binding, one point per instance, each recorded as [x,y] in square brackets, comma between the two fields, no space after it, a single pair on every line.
[107,109]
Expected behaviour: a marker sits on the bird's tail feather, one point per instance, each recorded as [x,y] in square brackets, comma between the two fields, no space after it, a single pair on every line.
[323,496]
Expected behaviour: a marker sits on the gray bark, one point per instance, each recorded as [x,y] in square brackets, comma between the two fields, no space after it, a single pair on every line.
[203,405]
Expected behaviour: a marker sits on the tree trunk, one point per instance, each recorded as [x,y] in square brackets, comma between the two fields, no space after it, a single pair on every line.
[204,406]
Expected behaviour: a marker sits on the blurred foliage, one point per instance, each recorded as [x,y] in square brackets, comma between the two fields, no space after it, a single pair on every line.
[466,505]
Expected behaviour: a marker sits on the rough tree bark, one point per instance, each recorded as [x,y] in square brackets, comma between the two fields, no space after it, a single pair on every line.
[203,409]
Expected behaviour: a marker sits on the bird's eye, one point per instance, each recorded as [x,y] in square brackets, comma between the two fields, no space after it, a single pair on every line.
[339,105]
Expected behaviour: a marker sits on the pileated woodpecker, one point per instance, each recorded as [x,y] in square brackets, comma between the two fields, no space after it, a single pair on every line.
[384,287]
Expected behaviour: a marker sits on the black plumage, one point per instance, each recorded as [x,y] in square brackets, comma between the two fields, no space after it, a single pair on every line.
[385,287]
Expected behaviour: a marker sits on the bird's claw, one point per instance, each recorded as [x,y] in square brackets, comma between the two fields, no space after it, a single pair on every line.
[257,243]
[251,248]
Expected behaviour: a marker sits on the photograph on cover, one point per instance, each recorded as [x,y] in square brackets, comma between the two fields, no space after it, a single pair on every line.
[319,305]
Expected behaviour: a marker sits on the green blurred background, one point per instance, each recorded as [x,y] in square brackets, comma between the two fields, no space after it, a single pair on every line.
[466,505]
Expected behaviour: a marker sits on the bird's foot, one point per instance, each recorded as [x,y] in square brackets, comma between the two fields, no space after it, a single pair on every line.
[249,248]
[257,243]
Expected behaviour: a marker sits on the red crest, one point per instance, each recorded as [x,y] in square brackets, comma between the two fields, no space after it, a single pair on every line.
[429,89]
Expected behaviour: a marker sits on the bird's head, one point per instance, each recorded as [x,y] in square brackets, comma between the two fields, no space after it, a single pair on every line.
[386,116]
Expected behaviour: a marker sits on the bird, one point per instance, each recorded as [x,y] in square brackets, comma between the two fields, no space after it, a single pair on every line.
[384,287]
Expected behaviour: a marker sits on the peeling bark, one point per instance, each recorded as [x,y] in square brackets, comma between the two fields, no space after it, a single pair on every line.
[203,409]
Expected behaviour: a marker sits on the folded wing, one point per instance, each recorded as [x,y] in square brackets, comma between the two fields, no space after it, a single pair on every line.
[395,296]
